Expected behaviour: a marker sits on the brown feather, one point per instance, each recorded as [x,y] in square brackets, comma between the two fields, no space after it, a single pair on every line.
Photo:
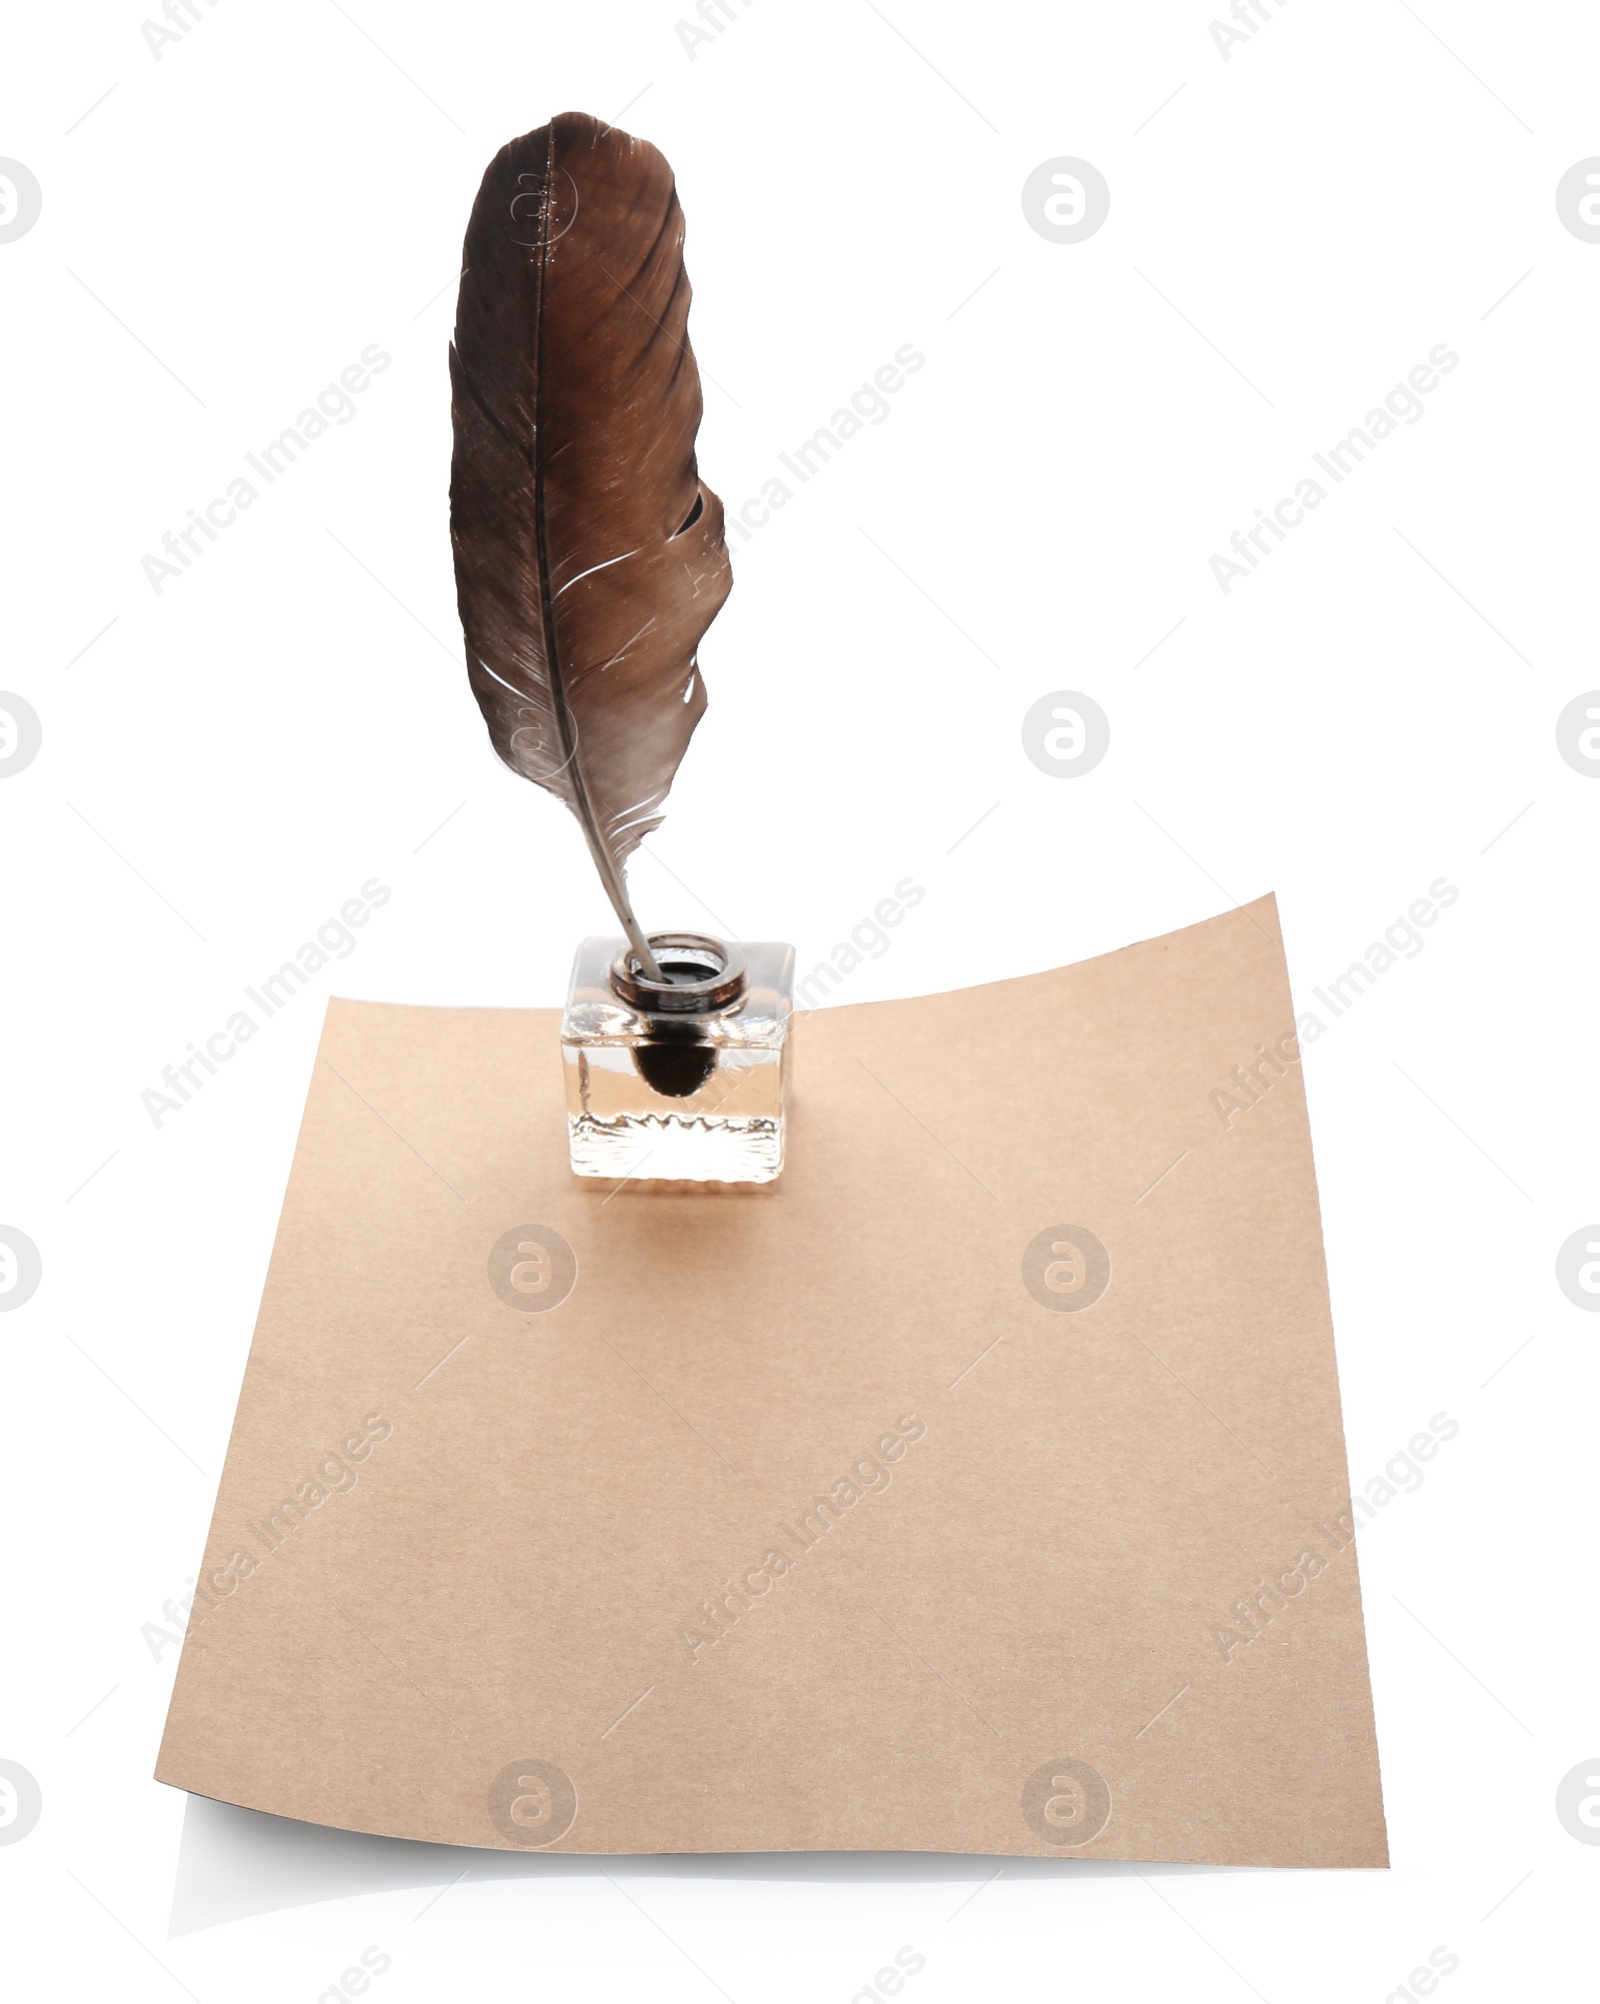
[589,555]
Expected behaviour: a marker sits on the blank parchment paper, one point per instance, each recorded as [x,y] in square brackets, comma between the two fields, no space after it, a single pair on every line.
[980,1486]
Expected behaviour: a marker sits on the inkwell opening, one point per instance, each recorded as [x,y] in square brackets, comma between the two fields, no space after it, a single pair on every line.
[701,977]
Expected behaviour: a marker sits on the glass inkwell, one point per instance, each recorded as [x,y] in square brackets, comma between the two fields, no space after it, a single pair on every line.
[681,1078]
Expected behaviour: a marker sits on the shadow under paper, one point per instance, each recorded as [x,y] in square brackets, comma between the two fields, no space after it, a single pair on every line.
[234,1863]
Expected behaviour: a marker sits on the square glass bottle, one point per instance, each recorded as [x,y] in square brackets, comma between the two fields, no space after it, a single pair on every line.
[681,1079]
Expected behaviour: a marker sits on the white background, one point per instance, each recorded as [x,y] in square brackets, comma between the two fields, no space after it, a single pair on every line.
[225,762]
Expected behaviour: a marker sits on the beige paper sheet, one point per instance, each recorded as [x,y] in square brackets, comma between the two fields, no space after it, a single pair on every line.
[978,1487]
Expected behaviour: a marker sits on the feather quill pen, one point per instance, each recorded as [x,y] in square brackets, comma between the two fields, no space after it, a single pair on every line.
[589,555]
